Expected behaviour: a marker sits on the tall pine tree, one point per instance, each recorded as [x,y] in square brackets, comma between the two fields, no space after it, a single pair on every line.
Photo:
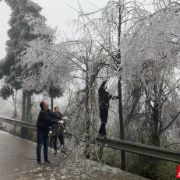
[19,34]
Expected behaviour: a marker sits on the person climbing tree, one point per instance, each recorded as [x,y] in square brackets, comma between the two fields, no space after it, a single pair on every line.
[104,98]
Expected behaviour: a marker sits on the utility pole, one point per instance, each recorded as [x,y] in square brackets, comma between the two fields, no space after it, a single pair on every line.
[123,164]
[52,96]
[52,103]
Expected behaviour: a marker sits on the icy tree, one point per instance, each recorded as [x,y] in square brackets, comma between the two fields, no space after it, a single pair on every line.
[146,40]
[46,67]
[144,58]
[151,58]
[72,64]
[108,27]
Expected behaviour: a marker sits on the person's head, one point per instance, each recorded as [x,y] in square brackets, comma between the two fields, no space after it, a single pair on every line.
[56,109]
[44,105]
[103,85]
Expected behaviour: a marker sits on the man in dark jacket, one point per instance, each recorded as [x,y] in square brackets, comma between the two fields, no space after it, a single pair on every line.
[104,98]
[45,119]
[58,131]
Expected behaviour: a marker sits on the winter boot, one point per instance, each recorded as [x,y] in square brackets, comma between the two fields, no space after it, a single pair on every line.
[63,149]
[55,152]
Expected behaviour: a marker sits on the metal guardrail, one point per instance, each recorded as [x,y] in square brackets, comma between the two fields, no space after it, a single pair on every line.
[18,123]
[132,147]
[24,124]
[147,150]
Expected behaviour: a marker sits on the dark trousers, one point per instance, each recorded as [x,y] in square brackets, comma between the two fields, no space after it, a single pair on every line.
[104,117]
[54,140]
[42,139]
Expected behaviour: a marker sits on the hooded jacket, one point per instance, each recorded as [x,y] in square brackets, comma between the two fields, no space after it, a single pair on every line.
[45,119]
[104,97]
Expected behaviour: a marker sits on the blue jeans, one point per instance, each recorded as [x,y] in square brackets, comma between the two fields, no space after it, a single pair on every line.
[42,139]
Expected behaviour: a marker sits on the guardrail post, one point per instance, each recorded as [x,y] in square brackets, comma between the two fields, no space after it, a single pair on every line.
[101,152]
[24,132]
[15,129]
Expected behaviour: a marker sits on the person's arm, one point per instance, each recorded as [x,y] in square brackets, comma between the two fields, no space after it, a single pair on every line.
[56,116]
[61,116]
[101,93]
[112,97]
[47,119]
[53,125]
[115,97]
[65,118]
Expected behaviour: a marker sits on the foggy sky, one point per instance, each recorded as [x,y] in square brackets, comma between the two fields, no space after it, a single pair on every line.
[57,13]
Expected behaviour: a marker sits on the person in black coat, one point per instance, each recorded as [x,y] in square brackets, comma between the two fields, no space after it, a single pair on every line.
[45,119]
[104,98]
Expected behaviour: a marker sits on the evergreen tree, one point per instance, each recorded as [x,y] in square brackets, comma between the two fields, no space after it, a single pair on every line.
[45,72]
[6,91]
[20,33]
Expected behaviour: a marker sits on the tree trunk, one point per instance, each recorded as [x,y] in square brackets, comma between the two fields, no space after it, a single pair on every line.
[24,131]
[156,136]
[156,117]
[15,106]
[87,117]
[28,108]
[23,107]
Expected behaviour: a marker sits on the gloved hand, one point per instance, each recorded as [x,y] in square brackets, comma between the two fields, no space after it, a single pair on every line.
[64,131]
[61,121]
[50,132]
[65,118]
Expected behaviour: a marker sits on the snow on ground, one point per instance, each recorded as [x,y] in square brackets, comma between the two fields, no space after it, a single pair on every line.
[73,168]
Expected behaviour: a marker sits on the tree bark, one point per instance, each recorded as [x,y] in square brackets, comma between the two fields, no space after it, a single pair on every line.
[29,107]
[23,106]
[156,117]
[24,131]
[87,117]
[15,106]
